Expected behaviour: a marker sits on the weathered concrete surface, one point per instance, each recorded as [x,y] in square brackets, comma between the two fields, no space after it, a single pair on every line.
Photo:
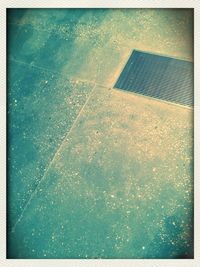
[110,173]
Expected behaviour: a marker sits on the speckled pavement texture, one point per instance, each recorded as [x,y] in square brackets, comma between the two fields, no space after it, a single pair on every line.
[95,172]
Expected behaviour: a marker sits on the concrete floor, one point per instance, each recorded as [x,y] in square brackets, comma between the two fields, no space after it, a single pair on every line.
[95,172]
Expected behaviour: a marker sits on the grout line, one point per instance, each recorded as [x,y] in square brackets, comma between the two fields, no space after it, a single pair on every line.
[53,159]
[55,72]
[31,65]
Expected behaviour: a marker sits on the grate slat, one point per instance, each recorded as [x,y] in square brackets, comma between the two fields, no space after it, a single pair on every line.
[159,77]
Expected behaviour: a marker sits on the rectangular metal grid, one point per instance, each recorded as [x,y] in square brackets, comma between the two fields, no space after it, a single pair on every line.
[159,77]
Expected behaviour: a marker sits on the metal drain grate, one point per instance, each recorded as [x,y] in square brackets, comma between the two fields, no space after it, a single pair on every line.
[159,77]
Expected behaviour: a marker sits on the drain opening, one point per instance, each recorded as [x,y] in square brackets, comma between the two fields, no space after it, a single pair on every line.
[160,77]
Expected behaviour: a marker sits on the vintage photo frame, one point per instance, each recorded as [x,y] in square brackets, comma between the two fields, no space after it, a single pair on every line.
[3,160]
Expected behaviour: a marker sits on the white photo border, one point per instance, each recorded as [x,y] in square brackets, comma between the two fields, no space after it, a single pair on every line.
[100,4]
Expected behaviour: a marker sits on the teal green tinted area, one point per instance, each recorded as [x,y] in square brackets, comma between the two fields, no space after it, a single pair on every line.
[94,172]
[42,108]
